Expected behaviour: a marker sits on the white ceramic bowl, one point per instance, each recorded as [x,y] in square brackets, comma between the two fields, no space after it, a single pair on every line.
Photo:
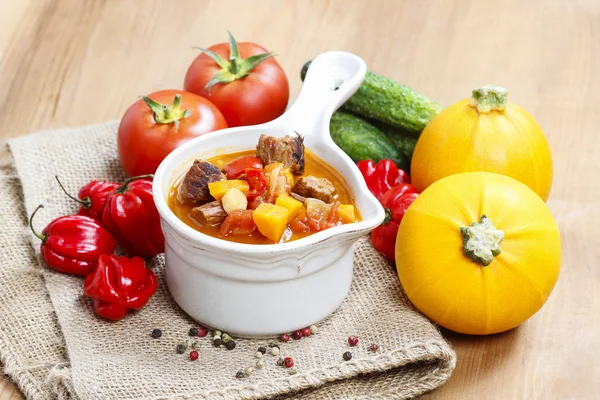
[264,290]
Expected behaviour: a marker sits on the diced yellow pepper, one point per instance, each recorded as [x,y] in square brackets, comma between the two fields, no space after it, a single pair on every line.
[346,213]
[219,188]
[293,206]
[271,220]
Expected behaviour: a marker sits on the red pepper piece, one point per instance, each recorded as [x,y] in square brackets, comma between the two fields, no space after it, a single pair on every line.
[72,244]
[131,216]
[257,182]
[92,197]
[382,176]
[238,166]
[395,201]
[119,284]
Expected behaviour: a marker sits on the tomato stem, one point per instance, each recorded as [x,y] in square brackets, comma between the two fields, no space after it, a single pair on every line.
[86,202]
[164,114]
[481,241]
[39,235]
[124,187]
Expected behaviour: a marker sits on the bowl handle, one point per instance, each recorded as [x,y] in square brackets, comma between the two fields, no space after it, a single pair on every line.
[332,78]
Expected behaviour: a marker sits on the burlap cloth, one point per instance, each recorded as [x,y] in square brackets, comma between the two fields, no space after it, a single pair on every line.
[52,345]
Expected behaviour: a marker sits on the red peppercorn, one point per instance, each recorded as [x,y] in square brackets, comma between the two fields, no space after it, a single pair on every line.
[193,355]
[284,337]
[202,331]
[306,332]
[297,335]
[374,347]
[288,362]
[352,340]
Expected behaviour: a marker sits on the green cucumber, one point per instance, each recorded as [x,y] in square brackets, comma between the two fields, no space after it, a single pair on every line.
[363,141]
[381,99]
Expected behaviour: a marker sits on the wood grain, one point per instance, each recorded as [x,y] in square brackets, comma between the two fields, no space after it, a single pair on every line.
[73,62]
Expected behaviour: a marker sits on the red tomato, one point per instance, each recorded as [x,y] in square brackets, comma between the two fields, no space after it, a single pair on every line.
[250,93]
[239,222]
[236,167]
[145,138]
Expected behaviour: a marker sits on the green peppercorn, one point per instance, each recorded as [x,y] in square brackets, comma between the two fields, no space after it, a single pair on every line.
[230,344]
[260,364]
[226,338]
[195,345]
[193,332]
[249,371]
[240,374]
[273,344]
[292,371]
[217,341]
[217,333]
[280,362]
[181,347]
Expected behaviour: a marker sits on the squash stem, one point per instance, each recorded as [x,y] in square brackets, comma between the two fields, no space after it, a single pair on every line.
[481,241]
[489,98]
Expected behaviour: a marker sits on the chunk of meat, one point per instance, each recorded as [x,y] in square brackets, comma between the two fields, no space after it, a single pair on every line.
[194,187]
[317,188]
[288,150]
[209,214]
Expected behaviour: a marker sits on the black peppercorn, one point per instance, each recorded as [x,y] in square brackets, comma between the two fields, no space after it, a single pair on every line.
[230,344]
[156,333]
[347,356]
[280,362]
[181,348]
[240,374]
[262,350]
[217,341]
[193,332]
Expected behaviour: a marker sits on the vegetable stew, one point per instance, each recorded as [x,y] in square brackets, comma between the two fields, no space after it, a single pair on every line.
[278,193]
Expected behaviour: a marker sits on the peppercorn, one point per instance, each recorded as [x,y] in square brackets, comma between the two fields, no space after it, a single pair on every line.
[230,344]
[181,347]
[306,332]
[262,350]
[217,341]
[314,330]
[373,347]
[297,335]
[240,374]
[217,333]
[193,355]
[288,362]
[284,337]
[273,344]
[280,362]
[156,333]
[258,354]
[202,332]
[226,338]
[275,351]
[292,371]
[249,371]
[193,332]
[352,340]
[347,356]
[260,364]
[195,346]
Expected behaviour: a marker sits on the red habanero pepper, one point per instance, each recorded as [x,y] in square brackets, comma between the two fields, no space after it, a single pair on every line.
[92,197]
[237,167]
[72,244]
[257,182]
[131,216]
[382,176]
[395,201]
[119,284]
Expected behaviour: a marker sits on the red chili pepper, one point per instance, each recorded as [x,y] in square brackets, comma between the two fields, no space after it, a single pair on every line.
[395,201]
[382,176]
[257,182]
[131,216]
[118,284]
[237,167]
[72,244]
[92,197]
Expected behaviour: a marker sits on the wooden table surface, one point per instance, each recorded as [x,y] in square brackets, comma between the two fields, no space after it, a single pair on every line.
[73,62]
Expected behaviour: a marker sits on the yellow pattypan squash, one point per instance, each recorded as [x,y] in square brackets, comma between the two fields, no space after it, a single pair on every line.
[484,133]
[478,253]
